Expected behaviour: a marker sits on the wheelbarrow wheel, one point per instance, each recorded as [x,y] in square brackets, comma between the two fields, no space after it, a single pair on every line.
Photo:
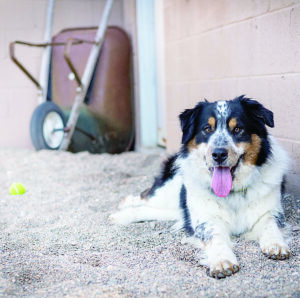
[46,126]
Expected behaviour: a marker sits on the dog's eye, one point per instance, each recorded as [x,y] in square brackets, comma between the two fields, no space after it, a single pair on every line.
[237,130]
[208,129]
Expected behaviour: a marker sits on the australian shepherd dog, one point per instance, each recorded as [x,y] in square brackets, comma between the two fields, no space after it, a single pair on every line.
[227,180]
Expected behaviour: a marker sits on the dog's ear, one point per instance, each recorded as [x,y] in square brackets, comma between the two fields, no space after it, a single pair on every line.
[257,110]
[188,122]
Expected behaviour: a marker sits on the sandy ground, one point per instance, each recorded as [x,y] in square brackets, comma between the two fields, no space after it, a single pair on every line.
[55,240]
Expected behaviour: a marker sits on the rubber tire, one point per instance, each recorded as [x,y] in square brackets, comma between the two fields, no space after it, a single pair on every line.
[37,122]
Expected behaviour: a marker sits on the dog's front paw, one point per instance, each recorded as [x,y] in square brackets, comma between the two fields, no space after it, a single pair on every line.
[222,269]
[276,252]
[123,217]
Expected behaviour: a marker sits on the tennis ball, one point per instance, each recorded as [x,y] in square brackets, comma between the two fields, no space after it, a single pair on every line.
[17,189]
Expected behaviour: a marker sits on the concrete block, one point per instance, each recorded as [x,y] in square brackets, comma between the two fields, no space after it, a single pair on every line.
[264,45]
[281,4]
[173,136]
[278,93]
[172,61]
[177,100]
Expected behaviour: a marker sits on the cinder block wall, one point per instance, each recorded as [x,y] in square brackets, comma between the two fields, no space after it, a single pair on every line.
[25,20]
[221,49]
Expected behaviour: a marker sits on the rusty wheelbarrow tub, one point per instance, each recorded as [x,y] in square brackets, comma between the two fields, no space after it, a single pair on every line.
[106,116]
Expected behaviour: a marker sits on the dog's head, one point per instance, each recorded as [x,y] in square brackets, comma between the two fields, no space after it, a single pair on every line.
[227,134]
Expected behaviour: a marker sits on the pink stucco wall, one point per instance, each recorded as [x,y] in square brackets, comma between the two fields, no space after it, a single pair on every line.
[221,49]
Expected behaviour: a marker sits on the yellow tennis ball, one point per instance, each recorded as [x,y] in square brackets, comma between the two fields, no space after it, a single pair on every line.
[17,189]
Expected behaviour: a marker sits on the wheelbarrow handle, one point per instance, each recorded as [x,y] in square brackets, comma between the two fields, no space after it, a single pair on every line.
[19,64]
[68,44]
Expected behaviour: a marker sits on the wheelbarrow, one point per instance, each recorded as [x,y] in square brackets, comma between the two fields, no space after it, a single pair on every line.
[87,81]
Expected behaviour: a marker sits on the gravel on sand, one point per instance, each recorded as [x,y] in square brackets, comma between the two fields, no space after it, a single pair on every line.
[55,240]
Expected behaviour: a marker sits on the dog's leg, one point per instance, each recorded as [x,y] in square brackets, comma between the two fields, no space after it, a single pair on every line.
[143,213]
[132,201]
[269,231]
[161,204]
[216,248]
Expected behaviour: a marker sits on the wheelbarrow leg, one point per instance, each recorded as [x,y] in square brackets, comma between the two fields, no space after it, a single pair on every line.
[45,65]
[87,76]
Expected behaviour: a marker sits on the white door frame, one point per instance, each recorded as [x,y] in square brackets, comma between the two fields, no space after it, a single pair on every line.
[160,72]
[150,40]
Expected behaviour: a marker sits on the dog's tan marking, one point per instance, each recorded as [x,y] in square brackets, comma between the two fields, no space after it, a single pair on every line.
[212,122]
[192,144]
[252,149]
[232,124]
[144,194]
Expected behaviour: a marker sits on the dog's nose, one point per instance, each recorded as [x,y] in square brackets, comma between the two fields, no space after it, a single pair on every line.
[219,155]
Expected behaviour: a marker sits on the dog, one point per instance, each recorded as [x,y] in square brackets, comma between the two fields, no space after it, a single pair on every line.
[227,180]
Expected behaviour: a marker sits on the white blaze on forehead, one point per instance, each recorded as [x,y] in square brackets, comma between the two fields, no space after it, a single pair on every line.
[222,109]
[221,138]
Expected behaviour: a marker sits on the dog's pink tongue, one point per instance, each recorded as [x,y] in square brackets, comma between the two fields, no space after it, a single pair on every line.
[222,181]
